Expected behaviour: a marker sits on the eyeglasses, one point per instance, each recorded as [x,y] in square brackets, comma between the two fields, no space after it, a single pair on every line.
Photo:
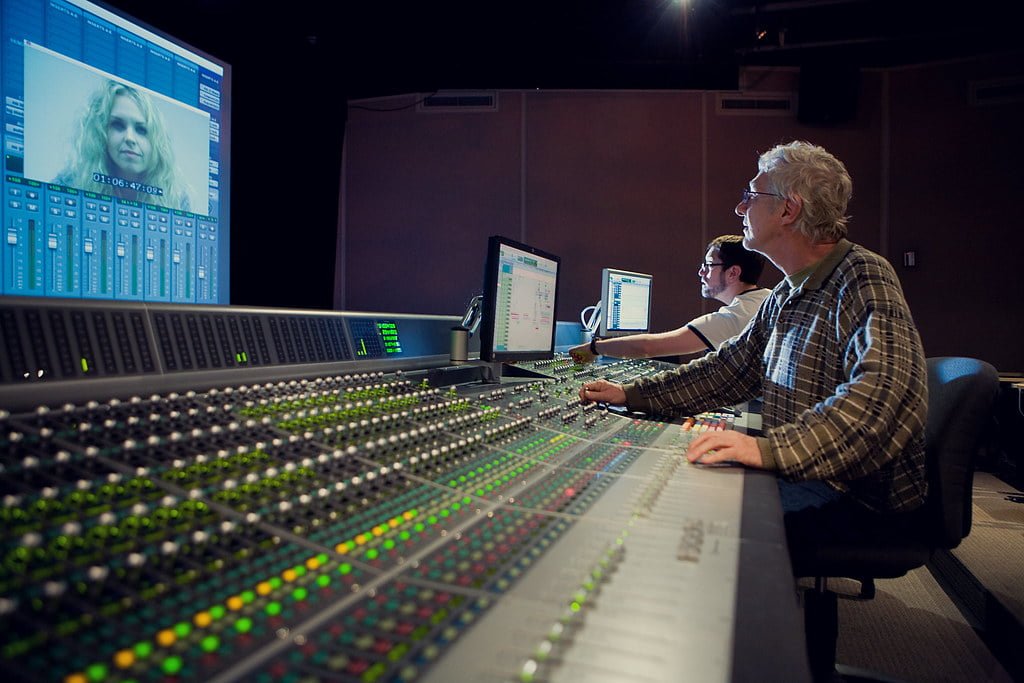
[707,266]
[750,194]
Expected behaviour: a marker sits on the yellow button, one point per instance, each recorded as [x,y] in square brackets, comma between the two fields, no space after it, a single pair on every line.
[202,620]
[235,603]
[75,678]
[124,659]
[166,638]
[263,588]
[288,575]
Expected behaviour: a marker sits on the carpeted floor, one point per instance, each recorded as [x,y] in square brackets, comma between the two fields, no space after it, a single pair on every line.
[994,550]
[913,631]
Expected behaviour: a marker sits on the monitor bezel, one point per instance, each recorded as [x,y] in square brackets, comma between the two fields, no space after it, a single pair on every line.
[606,278]
[489,307]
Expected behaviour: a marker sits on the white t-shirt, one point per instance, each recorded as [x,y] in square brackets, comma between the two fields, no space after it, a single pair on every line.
[728,321]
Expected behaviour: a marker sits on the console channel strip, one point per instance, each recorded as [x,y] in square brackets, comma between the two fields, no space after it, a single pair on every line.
[345,528]
[562,367]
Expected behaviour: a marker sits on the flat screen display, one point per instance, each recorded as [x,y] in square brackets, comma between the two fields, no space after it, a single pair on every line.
[115,168]
[625,302]
[519,302]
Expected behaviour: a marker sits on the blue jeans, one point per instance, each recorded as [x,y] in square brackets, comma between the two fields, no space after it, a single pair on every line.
[799,495]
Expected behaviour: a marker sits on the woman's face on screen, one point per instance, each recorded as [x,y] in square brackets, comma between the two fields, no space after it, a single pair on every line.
[128,143]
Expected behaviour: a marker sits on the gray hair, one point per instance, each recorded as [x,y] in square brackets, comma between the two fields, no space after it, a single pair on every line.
[800,169]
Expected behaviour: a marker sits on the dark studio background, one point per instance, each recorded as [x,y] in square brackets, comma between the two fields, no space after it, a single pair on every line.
[335,207]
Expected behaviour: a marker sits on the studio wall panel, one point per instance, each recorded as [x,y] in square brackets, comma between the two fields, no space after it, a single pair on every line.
[423,191]
[613,180]
[955,190]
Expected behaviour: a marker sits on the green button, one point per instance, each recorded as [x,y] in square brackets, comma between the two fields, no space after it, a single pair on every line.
[172,665]
[373,674]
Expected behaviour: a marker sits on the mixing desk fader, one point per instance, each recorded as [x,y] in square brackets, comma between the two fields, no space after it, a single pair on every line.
[369,526]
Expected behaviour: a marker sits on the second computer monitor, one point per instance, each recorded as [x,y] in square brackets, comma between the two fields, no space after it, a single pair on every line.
[625,302]
[519,302]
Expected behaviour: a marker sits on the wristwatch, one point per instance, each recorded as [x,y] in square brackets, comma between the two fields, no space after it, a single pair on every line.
[593,345]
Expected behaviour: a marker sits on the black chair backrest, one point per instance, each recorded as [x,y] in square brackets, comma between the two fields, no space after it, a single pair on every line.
[961,394]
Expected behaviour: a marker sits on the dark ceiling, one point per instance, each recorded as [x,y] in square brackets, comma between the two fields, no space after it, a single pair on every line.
[375,48]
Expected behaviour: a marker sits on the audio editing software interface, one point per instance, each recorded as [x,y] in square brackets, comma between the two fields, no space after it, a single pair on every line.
[63,242]
[629,301]
[361,522]
[108,219]
[525,308]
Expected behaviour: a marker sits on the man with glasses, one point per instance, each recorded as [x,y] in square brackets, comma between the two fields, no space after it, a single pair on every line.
[729,274]
[833,351]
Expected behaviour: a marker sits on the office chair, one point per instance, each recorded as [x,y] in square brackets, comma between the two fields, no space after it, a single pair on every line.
[961,393]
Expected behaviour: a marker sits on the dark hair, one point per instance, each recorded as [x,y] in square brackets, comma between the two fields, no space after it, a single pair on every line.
[732,253]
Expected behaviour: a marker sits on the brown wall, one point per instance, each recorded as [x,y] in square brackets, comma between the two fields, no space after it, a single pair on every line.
[641,180]
[612,181]
[956,201]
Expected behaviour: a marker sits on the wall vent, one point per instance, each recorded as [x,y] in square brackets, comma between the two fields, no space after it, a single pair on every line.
[460,101]
[997,91]
[756,104]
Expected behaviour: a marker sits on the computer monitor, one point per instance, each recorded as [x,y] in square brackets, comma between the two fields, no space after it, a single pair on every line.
[115,174]
[519,299]
[625,302]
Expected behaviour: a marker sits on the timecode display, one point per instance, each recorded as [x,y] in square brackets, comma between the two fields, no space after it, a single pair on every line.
[114,181]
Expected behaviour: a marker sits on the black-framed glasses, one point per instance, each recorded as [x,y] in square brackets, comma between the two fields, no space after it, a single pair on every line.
[750,194]
[708,266]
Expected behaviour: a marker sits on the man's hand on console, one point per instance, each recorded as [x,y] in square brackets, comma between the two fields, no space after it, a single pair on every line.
[725,447]
[603,391]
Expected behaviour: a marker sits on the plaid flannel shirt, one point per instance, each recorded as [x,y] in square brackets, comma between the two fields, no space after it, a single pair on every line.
[842,371]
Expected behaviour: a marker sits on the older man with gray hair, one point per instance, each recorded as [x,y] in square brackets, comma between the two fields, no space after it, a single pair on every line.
[833,350]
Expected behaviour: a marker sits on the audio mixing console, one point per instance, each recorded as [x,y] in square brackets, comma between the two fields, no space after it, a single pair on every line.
[368,525]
